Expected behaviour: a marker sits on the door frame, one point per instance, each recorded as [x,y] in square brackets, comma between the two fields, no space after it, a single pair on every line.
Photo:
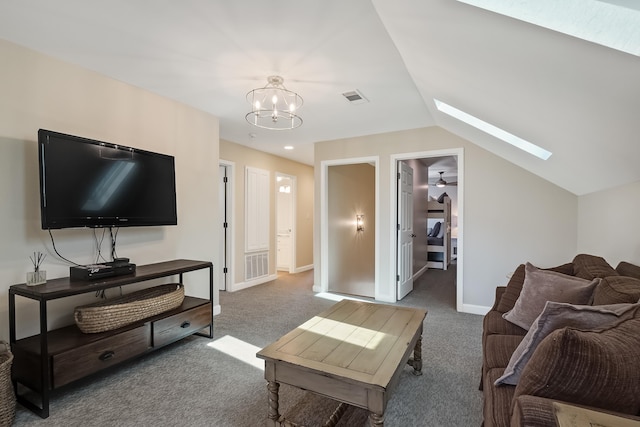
[324,221]
[230,241]
[395,158]
[294,210]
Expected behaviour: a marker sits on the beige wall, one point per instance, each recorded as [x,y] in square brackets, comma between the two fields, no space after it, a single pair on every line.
[40,92]
[608,224]
[510,215]
[243,156]
[352,254]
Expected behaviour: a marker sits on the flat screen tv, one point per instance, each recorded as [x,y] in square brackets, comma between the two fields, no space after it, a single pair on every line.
[88,183]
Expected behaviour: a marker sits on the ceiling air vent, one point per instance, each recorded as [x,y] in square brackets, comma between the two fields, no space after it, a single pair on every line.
[355,97]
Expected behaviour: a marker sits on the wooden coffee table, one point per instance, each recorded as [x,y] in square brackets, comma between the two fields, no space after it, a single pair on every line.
[353,353]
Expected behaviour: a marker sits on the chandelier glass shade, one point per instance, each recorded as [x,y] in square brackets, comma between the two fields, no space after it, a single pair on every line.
[274,106]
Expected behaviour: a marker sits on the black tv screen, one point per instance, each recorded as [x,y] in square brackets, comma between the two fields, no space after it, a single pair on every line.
[88,183]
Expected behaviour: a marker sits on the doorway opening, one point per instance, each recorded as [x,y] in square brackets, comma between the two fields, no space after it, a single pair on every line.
[348,253]
[285,222]
[434,174]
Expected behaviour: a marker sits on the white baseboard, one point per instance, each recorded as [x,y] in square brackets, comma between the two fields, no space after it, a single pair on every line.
[317,288]
[386,298]
[303,268]
[244,285]
[217,309]
[474,309]
[420,273]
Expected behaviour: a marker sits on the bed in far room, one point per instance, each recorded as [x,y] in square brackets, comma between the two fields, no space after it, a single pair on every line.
[439,232]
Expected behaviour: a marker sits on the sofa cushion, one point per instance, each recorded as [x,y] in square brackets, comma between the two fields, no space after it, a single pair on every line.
[555,316]
[533,411]
[494,323]
[497,400]
[616,290]
[627,269]
[497,350]
[541,286]
[599,368]
[590,267]
[514,287]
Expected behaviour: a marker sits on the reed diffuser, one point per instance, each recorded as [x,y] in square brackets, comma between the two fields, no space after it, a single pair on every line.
[37,276]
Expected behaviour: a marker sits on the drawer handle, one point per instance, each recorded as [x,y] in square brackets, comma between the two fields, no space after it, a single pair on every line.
[185,324]
[106,355]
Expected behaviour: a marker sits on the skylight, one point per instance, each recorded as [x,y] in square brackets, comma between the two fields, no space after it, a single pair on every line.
[611,23]
[522,144]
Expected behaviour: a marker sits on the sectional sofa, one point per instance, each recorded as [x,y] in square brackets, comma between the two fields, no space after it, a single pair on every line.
[563,338]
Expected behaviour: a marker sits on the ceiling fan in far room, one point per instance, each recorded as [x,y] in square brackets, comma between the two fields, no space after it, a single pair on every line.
[442,183]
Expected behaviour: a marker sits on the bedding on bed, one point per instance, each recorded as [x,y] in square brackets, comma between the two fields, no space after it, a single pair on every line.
[436,241]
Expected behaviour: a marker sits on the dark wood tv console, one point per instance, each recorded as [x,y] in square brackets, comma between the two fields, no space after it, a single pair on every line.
[57,357]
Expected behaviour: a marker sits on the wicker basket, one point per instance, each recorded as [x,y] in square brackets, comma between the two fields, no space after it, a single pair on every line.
[7,396]
[117,312]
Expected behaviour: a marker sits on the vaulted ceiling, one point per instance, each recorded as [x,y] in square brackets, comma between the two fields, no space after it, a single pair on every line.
[576,98]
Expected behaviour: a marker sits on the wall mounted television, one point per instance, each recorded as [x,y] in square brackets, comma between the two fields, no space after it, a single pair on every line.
[88,183]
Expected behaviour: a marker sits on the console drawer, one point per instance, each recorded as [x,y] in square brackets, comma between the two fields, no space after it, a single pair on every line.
[81,361]
[180,325]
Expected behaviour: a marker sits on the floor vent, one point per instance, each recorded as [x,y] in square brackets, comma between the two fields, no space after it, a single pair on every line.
[355,97]
[256,265]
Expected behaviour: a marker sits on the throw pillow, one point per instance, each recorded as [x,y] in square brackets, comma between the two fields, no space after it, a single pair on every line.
[440,234]
[627,269]
[590,266]
[514,286]
[557,315]
[541,286]
[436,229]
[442,196]
[598,368]
[616,290]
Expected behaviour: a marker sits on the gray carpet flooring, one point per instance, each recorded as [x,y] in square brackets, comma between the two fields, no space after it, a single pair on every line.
[219,382]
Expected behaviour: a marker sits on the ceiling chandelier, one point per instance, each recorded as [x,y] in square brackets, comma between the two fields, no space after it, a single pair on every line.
[274,106]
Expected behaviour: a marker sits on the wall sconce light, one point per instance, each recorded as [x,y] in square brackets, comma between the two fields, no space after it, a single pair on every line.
[359,222]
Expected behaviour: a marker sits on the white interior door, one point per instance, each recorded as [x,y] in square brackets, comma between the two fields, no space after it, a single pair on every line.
[285,222]
[405,230]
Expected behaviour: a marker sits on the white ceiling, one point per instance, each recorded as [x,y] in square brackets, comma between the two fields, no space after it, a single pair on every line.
[578,99]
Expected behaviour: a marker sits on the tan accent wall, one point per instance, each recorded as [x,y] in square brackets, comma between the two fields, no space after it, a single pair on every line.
[41,92]
[352,258]
[243,156]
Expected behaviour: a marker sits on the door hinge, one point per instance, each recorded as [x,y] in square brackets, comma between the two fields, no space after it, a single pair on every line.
[398,175]
[225,179]
[397,278]
[398,227]
[225,225]
[225,270]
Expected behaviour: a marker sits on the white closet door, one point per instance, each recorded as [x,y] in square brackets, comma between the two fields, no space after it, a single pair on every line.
[256,209]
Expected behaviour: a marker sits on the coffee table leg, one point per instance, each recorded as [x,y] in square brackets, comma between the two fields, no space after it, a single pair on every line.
[274,416]
[376,420]
[417,358]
